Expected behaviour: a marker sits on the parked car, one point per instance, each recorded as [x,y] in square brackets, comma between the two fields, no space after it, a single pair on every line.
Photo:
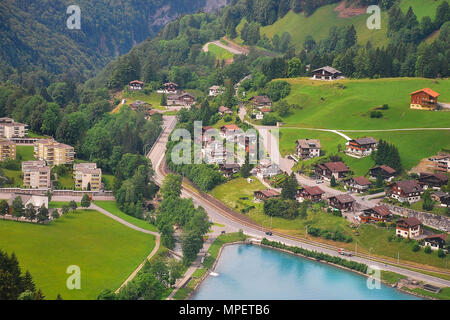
[268,233]
[344,253]
[223,232]
[319,181]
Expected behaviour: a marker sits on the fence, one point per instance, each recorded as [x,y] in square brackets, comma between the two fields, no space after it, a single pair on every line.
[432,220]
[70,193]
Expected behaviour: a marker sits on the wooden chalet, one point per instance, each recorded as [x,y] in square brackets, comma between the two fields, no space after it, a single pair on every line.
[136,85]
[435,241]
[379,213]
[313,194]
[224,110]
[228,169]
[362,146]
[408,228]
[405,191]
[343,202]
[337,169]
[357,184]
[170,87]
[263,195]
[433,180]
[184,99]
[327,73]
[424,99]
[308,148]
[261,101]
[386,172]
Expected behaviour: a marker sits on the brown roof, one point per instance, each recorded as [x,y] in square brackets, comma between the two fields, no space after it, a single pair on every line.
[367,140]
[309,143]
[344,198]
[410,222]
[382,210]
[314,190]
[428,91]
[136,81]
[338,166]
[328,69]
[261,99]
[385,168]
[223,109]
[230,127]
[438,175]
[409,186]
[268,193]
[362,181]
[435,236]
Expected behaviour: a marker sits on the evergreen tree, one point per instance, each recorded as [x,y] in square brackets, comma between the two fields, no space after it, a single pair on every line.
[85,201]
[290,187]
[333,181]
[163,100]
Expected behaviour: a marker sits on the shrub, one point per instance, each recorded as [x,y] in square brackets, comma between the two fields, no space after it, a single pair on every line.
[416,247]
[427,249]
[376,114]
[441,253]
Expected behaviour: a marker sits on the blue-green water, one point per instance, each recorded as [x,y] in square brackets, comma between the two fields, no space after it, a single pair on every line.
[253,272]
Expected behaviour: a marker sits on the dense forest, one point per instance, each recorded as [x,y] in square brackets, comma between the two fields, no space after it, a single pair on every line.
[36,43]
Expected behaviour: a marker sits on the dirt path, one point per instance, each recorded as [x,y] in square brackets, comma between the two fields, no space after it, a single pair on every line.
[231,47]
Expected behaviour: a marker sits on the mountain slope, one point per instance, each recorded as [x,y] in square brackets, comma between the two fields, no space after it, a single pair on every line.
[35,37]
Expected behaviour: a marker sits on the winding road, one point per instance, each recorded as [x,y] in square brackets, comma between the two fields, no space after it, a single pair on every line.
[233,221]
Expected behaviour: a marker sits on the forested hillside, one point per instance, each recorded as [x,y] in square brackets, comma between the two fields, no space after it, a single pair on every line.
[35,38]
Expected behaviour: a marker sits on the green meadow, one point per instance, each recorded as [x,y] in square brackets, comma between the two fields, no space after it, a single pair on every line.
[106,251]
[319,23]
[219,53]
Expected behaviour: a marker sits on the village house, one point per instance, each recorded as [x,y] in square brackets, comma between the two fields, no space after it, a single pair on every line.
[441,163]
[432,180]
[386,172]
[228,169]
[215,152]
[308,148]
[408,228]
[184,99]
[230,131]
[361,147]
[327,73]
[357,184]
[136,85]
[7,150]
[408,190]
[313,194]
[329,169]
[261,102]
[87,176]
[442,197]
[343,202]
[170,87]
[36,200]
[36,174]
[53,152]
[424,99]
[215,91]
[379,213]
[209,134]
[262,195]
[435,241]
[139,105]
[224,110]
[10,129]
[266,169]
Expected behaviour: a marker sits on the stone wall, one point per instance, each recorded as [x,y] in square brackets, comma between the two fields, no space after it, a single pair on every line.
[432,220]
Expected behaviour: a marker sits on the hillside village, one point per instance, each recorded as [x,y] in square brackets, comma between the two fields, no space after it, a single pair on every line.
[307,145]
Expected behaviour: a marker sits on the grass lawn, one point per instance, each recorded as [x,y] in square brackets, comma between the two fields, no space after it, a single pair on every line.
[391,277]
[67,181]
[25,153]
[16,175]
[219,52]
[106,252]
[437,209]
[108,180]
[60,204]
[111,206]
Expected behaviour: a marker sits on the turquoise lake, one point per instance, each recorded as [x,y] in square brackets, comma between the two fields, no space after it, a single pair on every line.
[253,272]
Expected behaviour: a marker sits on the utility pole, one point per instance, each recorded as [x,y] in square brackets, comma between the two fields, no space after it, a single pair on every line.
[356,247]
[398,257]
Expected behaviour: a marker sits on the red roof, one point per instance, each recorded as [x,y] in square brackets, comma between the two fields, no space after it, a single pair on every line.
[230,127]
[435,236]
[382,210]
[428,91]
[361,181]
[136,81]
[410,222]
[336,166]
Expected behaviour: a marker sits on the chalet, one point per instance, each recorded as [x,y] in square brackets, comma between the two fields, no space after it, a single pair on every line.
[435,241]
[263,195]
[403,191]
[266,169]
[432,180]
[136,85]
[184,99]
[408,228]
[224,110]
[215,90]
[361,147]
[36,200]
[327,73]
[379,213]
[228,169]
[442,197]
[327,170]
[139,105]
[343,202]
[357,184]
[386,172]
[313,194]
[216,153]
[424,99]
[230,130]
[308,148]
[170,87]
[261,102]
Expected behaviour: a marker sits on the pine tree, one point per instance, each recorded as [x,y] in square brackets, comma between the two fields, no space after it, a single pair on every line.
[28,283]
[333,181]
[163,100]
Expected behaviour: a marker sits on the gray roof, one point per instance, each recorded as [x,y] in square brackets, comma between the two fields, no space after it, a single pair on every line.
[368,140]
[329,69]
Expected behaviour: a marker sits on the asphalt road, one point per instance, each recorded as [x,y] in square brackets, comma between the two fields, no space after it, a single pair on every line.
[233,224]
